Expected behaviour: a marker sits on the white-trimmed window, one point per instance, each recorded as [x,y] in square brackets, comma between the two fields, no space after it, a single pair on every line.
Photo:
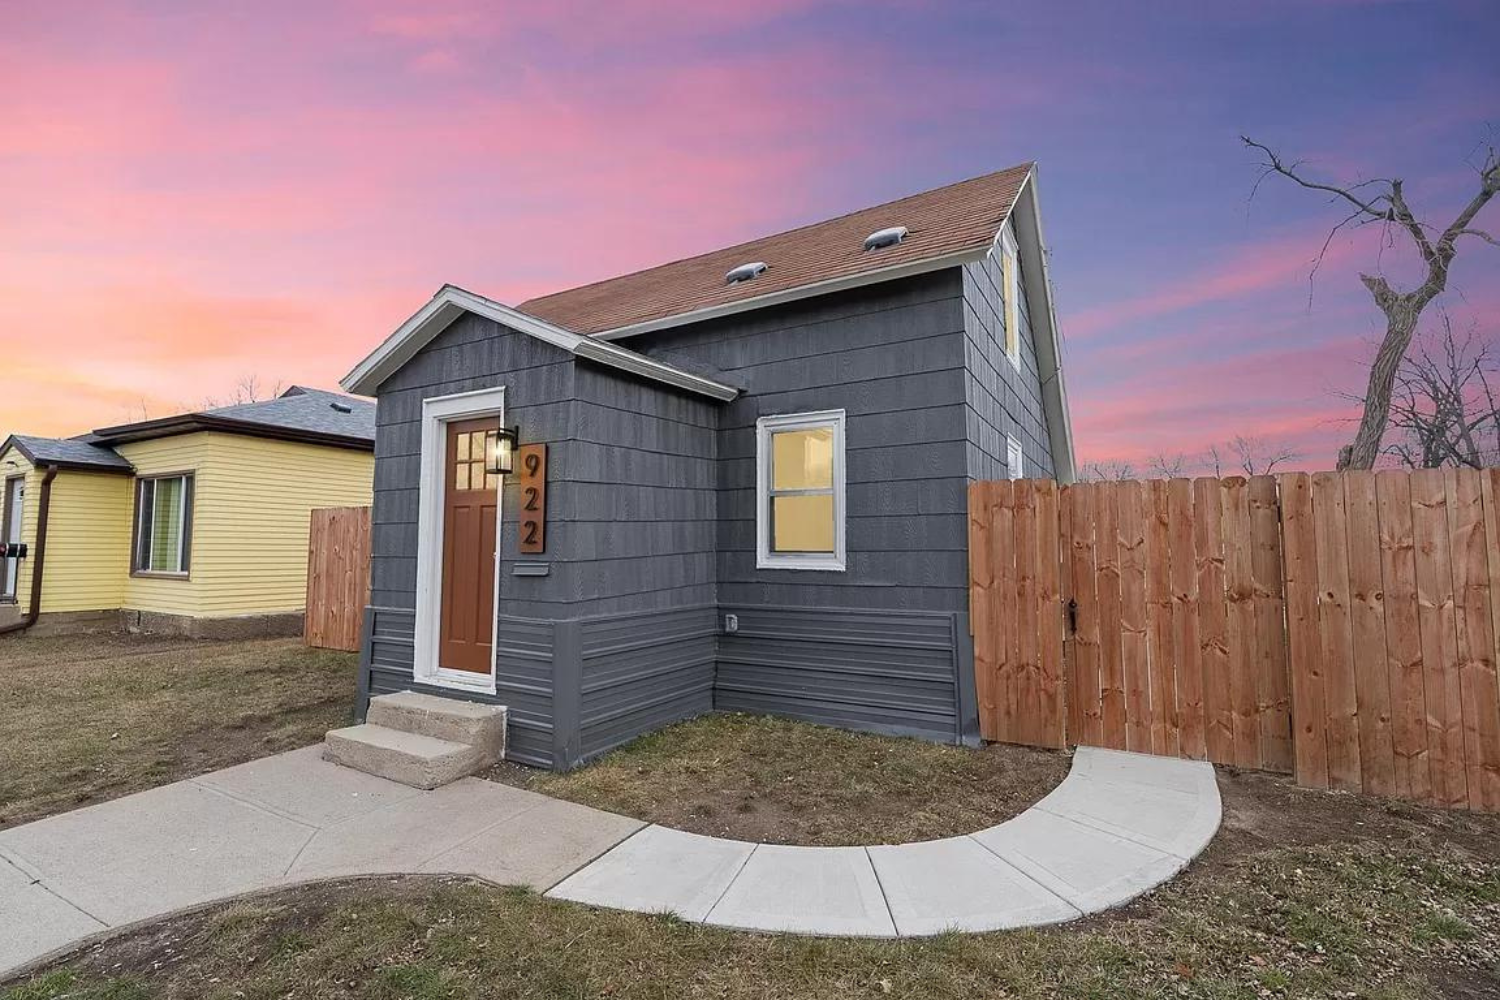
[1015,463]
[799,491]
[163,525]
[1011,291]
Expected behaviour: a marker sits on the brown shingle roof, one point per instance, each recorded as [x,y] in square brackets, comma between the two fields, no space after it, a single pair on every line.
[948,220]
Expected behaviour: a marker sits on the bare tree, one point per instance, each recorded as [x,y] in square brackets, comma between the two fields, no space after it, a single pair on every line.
[1167,466]
[247,389]
[1105,471]
[1446,402]
[1259,457]
[1382,201]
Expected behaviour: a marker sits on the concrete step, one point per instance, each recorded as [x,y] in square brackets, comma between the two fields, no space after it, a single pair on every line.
[410,758]
[467,722]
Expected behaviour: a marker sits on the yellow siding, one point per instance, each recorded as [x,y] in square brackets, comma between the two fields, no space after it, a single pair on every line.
[88,541]
[250,516]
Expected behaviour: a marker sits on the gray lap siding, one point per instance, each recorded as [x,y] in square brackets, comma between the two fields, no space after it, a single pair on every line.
[1000,399]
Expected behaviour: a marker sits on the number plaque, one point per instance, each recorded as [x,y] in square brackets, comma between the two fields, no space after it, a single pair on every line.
[531,470]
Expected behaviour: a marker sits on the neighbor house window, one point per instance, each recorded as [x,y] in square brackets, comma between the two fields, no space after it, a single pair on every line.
[163,524]
[799,521]
[1011,292]
[1014,462]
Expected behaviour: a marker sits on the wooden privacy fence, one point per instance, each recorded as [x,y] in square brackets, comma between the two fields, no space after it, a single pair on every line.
[1340,626]
[338,576]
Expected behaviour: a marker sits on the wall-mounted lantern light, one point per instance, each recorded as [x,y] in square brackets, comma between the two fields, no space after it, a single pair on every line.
[500,451]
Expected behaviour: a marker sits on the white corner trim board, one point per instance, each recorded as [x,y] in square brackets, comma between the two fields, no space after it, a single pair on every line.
[451,302]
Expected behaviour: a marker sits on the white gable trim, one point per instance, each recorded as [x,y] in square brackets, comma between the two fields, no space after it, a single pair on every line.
[1026,219]
[452,302]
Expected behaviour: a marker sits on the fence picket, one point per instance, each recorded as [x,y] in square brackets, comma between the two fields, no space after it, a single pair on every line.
[1184,581]
[1133,636]
[1272,680]
[1111,663]
[1208,540]
[1162,660]
[1367,627]
[1239,620]
[1476,643]
[1403,637]
[1439,626]
[1048,695]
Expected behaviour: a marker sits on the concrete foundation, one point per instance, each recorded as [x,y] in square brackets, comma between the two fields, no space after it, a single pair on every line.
[268,626]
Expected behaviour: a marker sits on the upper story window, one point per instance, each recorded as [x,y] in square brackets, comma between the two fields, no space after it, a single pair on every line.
[163,524]
[1015,464]
[799,520]
[1011,291]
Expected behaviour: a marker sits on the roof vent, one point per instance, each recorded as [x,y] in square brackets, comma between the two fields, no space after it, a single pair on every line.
[744,272]
[885,238]
[341,407]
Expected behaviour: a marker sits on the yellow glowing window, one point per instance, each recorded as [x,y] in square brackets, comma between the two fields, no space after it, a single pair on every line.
[800,495]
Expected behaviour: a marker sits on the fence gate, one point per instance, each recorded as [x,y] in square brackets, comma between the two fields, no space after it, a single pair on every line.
[338,576]
[1343,626]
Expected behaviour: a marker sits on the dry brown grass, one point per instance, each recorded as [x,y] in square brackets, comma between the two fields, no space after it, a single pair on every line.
[781,782]
[88,718]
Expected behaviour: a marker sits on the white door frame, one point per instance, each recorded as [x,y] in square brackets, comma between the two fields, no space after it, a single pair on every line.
[13,512]
[437,413]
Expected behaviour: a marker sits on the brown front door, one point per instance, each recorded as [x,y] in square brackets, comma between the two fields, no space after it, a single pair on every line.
[470,498]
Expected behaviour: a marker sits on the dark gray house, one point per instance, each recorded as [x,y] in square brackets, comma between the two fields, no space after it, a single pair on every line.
[754,489]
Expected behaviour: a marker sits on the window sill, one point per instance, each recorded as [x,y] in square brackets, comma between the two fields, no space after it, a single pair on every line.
[145,574]
[829,565]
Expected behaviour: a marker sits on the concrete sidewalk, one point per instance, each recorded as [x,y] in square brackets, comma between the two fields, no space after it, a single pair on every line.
[279,820]
[1118,825]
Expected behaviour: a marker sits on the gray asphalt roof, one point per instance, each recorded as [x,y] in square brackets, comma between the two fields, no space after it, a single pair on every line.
[72,451]
[303,409]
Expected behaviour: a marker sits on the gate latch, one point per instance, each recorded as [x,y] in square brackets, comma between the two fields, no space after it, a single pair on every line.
[1072,616]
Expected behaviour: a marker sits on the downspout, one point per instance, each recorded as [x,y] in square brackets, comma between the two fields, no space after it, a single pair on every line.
[41,556]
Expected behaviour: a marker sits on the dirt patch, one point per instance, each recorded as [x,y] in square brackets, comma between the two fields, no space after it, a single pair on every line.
[781,782]
[94,717]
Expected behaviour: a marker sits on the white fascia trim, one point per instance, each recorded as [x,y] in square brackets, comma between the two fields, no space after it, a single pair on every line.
[1026,218]
[451,302]
[892,273]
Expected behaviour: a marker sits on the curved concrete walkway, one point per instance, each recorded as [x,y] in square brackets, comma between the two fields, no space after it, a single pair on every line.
[1117,826]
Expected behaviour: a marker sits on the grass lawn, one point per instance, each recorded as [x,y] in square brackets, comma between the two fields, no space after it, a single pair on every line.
[94,717]
[782,782]
[1303,894]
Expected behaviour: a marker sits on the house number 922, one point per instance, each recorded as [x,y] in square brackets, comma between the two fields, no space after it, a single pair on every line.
[532,462]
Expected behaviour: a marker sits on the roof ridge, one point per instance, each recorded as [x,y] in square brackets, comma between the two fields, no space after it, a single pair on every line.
[1025,166]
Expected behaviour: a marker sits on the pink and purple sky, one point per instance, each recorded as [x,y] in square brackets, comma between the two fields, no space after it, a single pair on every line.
[193,193]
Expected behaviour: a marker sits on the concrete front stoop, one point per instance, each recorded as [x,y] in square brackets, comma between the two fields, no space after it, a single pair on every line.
[421,740]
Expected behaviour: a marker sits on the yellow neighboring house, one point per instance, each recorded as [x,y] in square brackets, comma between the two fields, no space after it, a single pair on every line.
[194,524]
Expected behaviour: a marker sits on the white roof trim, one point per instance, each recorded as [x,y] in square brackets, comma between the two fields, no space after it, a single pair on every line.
[452,302]
[1027,214]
